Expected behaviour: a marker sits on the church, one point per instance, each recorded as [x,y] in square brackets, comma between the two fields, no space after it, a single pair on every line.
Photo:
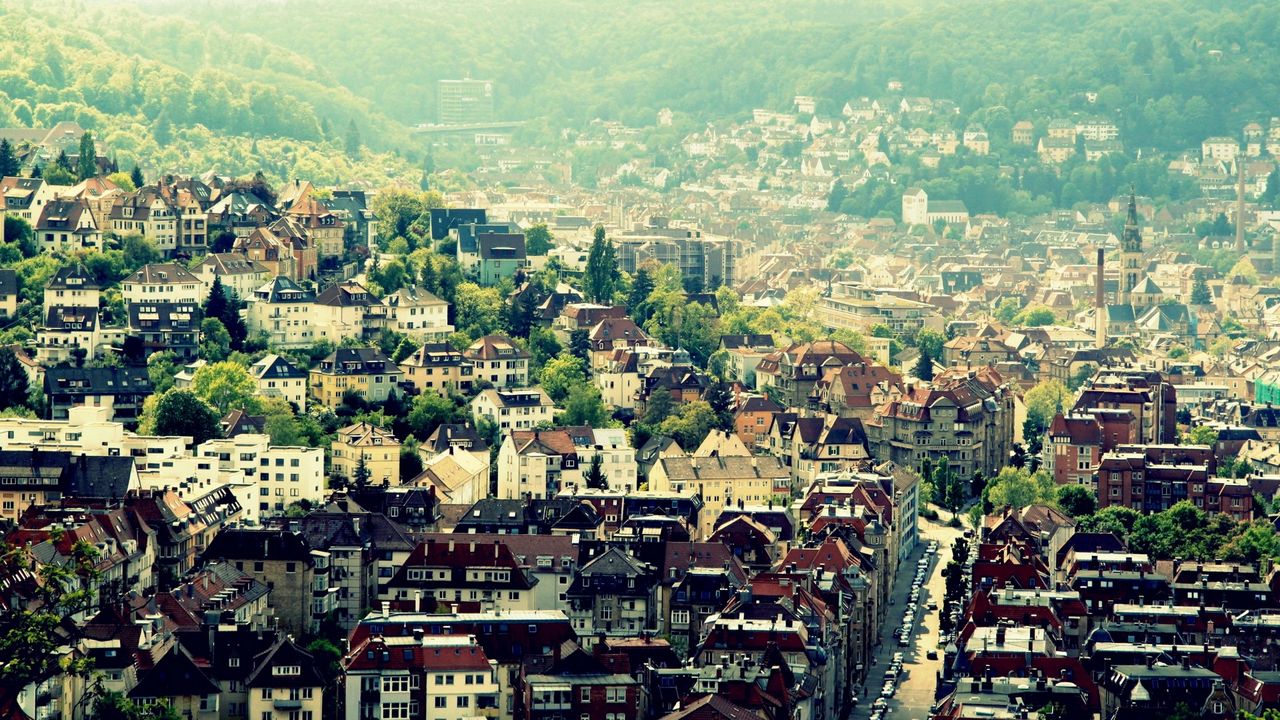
[1141,307]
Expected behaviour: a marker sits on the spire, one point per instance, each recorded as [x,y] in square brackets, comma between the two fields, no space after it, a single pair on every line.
[1132,240]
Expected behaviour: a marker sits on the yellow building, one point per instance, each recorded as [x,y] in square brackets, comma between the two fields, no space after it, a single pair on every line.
[379,449]
[286,686]
[722,482]
[364,370]
[438,367]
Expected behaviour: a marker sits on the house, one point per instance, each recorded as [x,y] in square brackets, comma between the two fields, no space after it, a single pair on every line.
[43,477]
[789,375]
[347,309]
[8,293]
[322,226]
[537,464]
[722,482]
[462,574]
[68,334]
[437,367]
[163,283]
[277,377]
[161,325]
[499,361]
[67,224]
[365,371]
[744,353]
[513,409]
[753,419]
[121,390]
[612,334]
[287,684]
[281,310]
[1023,132]
[459,477]
[368,445]
[299,577]
[614,593]
[72,286]
[443,675]
[238,273]
[502,255]
[582,685]
[417,313]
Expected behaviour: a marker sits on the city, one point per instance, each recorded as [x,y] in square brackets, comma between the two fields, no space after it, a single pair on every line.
[464,392]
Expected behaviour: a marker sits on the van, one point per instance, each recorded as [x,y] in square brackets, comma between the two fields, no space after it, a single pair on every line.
[891,676]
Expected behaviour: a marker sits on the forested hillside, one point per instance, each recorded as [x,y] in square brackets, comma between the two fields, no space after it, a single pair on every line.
[1170,70]
[175,95]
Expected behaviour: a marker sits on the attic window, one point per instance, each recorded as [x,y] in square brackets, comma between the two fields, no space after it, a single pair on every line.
[286,670]
[233,662]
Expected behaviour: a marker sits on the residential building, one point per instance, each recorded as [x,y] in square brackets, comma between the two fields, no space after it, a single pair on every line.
[345,310]
[722,482]
[286,685]
[277,377]
[159,325]
[514,409]
[502,255]
[420,677]
[613,594]
[163,283]
[368,445]
[789,375]
[121,391]
[497,360]
[417,313]
[282,310]
[365,371]
[298,577]
[461,573]
[853,306]
[437,367]
[238,273]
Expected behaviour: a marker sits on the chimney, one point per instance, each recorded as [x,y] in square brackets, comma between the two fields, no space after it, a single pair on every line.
[1240,204]
[1100,303]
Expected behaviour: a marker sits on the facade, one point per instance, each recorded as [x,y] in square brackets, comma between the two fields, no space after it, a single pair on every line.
[163,283]
[722,482]
[277,377]
[282,310]
[378,449]
[514,409]
[365,371]
[417,313]
[438,677]
[299,578]
[498,361]
[437,367]
[464,102]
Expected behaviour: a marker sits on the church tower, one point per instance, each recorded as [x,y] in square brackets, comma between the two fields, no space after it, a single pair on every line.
[1130,254]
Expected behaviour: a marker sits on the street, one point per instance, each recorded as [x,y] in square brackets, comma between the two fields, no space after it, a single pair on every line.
[917,680]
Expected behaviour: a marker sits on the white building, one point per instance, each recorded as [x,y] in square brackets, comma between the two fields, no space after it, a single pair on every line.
[514,409]
[277,377]
[163,282]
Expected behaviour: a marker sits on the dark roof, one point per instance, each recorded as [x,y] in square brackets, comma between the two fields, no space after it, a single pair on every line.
[96,381]
[501,246]
[285,654]
[154,316]
[257,544]
[451,434]
[73,277]
[8,281]
[176,675]
[276,367]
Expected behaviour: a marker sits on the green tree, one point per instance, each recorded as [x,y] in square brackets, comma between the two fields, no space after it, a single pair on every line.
[1019,488]
[430,410]
[1043,401]
[32,631]
[352,140]
[14,388]
[641,287]
[410,463]
[602,269]
[87,162]
[161,367]
[930,341]
[226,386]
[1035,316]
[1203,435]
[1007,309]
[58,175]
[478,310]
[1200,294]
[538,240]
[181,412]
[561,374]
[924,366]
[136,176]
[595,476]
[1076,500]
[215,341]
[1244,270]
[584,406]
[112,705]
[9,165]
[689,424]
[360,476]
[580,345]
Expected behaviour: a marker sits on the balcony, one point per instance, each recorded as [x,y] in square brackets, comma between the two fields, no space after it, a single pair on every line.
[282,704]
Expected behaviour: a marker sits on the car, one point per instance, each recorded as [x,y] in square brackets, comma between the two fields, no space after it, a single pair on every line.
[933,606]
[904,641]
[899,657]
[932,655]
[886,691]
[880,704]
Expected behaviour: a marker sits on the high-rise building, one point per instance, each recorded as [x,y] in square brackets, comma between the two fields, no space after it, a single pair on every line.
[461,102]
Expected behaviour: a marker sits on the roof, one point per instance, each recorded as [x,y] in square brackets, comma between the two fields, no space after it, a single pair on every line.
[258,544]
[494,347]
[275,367]
[162,273]
[347,294]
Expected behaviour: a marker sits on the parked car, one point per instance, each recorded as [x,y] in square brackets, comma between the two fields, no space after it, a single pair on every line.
[932,654]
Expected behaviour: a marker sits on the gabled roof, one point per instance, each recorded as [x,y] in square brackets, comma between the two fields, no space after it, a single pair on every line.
[162,274]
[275,367]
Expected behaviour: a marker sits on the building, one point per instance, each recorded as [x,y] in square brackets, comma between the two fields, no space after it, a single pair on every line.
[365,371]
[158,326]
[514,409]
[286,685]
[274,476]
[464,102]
[417,313]
[706,262]
[163,283]
[420,677]
[966,418]
[789,375]
[501,256]
[375,448]
[347,310]
[722,482]
[853,306]
[121,390]
[282,310]
[298,577]
[461,572]
[613,594]
[918,209]
[36,477]
[439,368]
[238,273]
[499,361]
[277,377]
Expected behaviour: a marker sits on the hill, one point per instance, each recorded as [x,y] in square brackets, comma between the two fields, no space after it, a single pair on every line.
[179,96]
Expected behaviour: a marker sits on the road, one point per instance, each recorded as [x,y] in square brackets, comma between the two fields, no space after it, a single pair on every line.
[919,674]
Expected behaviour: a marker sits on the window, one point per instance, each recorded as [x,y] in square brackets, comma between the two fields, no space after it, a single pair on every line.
[441,701]
[395,683]
[395,711]
[586,695]
[286,670]
[679,617]
[464,701]
[266,693]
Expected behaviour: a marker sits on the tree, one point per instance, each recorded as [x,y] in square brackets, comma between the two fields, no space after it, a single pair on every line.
[602,269]
[181,412]
[1043,402]
[595,476]
[1082,375]
[215,341]
[721,400]
[112,705]
[58,175]
[430,410]
[87,162]
[14,388]
[1076,500]
[930,341]
[690,423]
[641,287]
[32,630]
[9,165]
[1244,270]
[1007,309]
[1203,435]
[584,406]
[1200,294]
[478,310]
[1035,316]
[580,345]
[1019,488]
[226,386]
[561,374]
[161,367]
[538,240]
[136,175]
[361,474]
[410,463]
[924,366]
[352,140]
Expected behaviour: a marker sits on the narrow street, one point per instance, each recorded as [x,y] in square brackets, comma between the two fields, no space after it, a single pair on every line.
[916,682]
